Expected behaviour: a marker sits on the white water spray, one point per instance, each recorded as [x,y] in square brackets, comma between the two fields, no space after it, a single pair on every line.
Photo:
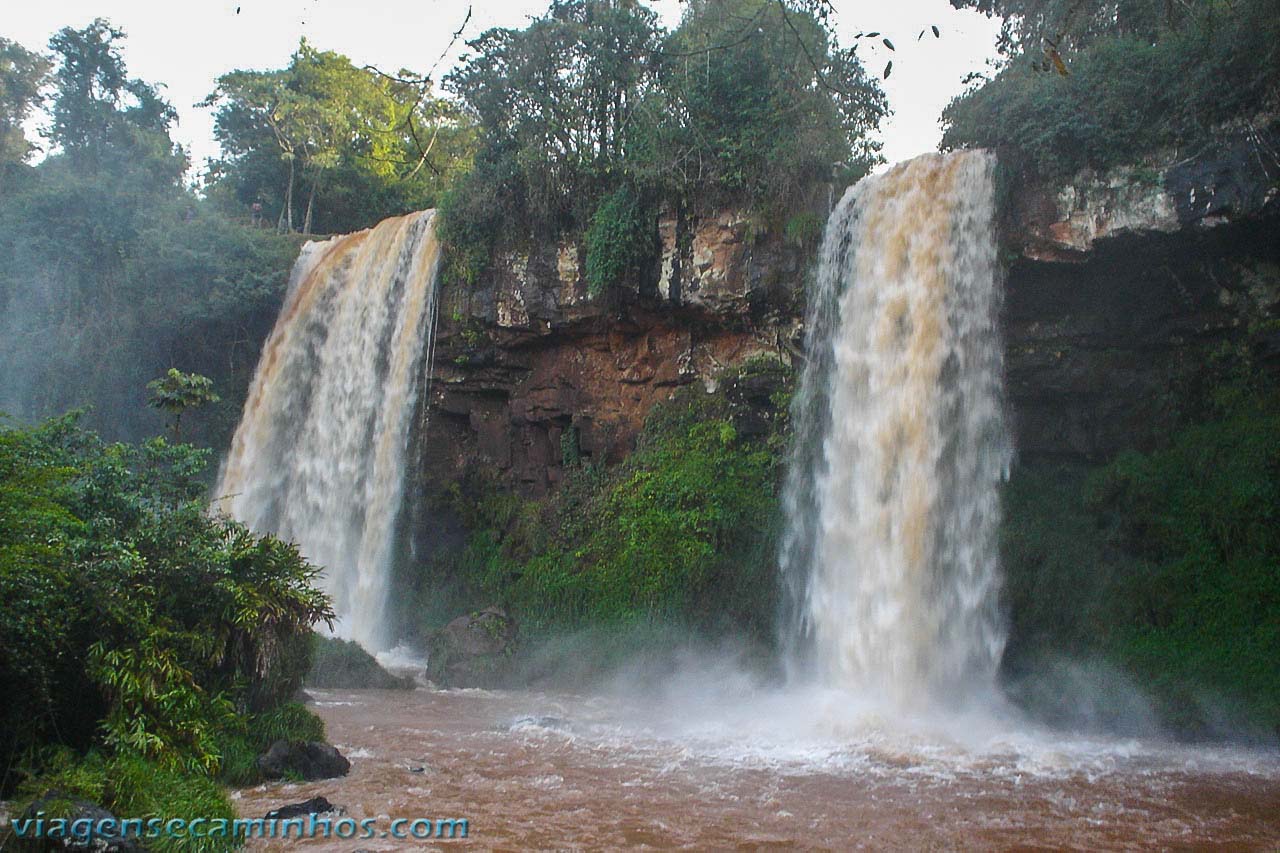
[890,552]
[319,455]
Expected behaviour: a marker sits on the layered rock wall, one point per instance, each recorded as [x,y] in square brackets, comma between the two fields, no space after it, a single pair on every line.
[530,366]
[1118,284]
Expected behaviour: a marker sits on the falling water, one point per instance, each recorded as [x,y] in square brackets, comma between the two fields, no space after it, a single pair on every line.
[890,551]
[319,455]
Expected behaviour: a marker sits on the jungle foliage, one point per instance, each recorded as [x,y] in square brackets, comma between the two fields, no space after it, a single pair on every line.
[138,629]
[1105,83]
[747,102]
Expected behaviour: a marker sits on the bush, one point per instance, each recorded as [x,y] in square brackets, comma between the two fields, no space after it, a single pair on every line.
[1163,564]
[684,531]
[135,621]
[132,787]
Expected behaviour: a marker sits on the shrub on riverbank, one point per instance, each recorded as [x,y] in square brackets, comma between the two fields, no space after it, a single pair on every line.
[136,625]
[343,664]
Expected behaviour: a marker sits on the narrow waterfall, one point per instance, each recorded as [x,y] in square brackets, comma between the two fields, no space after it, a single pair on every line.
[319,455]
[890,550]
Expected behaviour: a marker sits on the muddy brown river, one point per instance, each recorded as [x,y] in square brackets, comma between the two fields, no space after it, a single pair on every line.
[534,771]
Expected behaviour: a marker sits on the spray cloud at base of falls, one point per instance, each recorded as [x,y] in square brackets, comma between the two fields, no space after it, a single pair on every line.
[319,455]
[892,495]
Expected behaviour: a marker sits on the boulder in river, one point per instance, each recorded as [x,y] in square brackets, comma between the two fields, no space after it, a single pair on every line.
[307,759]
[345,665]
[474,650]
[315,805]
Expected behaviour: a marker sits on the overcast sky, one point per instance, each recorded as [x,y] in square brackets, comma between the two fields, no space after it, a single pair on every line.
[186,45]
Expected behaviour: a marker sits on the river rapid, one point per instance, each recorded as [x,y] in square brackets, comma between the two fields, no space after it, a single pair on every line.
[726,767]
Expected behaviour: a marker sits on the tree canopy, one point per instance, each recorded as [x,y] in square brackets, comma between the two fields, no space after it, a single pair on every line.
[747,102]
[1101,83]
[361,144]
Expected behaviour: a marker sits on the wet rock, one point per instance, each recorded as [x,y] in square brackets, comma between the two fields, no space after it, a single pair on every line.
[307,759]
[83,822]
[315,805]
[344,665]
[473,650]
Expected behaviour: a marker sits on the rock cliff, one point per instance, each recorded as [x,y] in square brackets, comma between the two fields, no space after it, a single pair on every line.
[529,367]
[1122,285]
[1118,285]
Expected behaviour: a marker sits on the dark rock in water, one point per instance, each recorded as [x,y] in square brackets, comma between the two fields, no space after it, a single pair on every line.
[473,650]
[315,805]
[83,822]
[308,759]
[344,665]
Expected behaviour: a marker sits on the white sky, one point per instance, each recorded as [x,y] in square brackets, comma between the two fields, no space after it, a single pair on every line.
[186,45]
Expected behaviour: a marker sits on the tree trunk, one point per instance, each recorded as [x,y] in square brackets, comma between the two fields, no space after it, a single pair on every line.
[285,225]
[311,200]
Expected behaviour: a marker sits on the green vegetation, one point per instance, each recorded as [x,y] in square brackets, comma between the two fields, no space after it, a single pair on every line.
[133,786]
[1164,564]
[175,392]
[144,639]
[22,75]
[619,241]
[593,108]
[1139,78]
[683,531]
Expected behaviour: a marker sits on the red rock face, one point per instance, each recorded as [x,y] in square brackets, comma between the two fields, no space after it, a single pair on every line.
[530,363]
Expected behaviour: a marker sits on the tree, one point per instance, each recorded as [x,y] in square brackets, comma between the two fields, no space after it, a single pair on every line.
[100,112]
[175,392]
[23,75]
[339,131]
[761,102]
[1054,27]
[593,110]
[560,99]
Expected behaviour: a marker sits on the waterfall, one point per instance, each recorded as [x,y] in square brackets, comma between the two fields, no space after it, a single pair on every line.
[319,455]
[891,499]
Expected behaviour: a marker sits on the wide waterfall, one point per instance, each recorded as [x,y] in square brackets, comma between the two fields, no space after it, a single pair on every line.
[892,504]
[319,455]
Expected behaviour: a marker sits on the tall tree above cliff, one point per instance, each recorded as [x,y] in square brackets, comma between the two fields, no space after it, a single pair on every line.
[339,131]
[559,102]
[23,74]
[1063,25]
[749,102]
[100,113]
[760,101]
